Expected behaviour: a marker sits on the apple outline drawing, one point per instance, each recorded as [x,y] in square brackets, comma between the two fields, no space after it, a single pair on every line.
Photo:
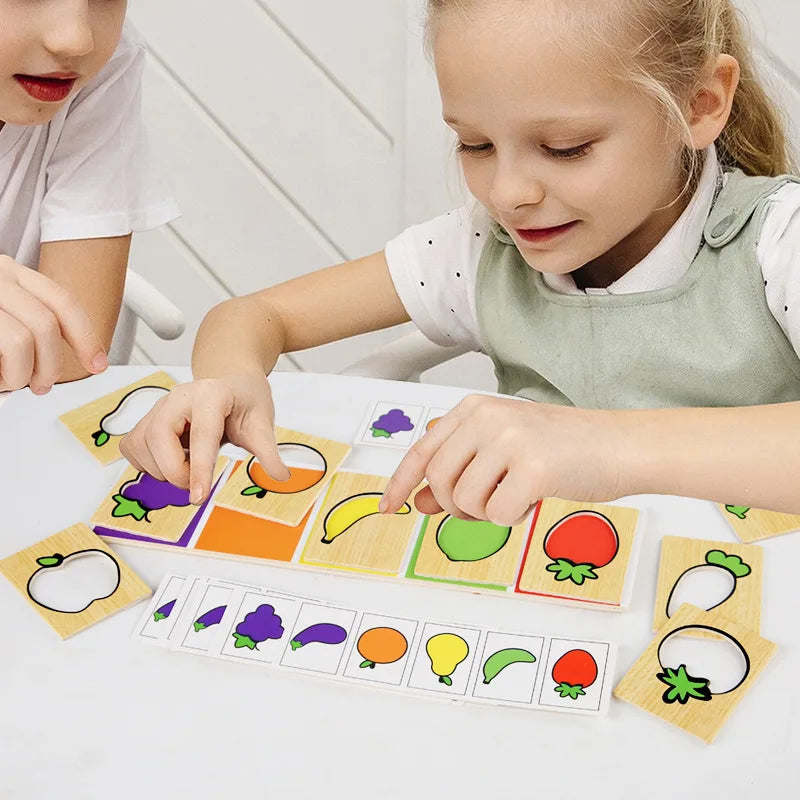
[58,562]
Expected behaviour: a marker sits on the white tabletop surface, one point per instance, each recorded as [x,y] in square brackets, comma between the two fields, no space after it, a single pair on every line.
[102,715]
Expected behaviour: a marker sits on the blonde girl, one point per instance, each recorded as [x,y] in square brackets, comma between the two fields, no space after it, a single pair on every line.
[631,266]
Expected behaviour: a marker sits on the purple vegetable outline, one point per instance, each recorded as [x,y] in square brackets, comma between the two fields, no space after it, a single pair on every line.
[55,561]
[208,618]
[141,495]
[257,626]
[164,611]
[393,421]
[320,633]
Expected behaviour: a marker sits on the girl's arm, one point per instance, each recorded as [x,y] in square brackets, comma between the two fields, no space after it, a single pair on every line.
[237,345]
[494,458]
[93,271]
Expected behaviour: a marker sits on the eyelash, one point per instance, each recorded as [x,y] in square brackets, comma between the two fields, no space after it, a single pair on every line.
[568,153]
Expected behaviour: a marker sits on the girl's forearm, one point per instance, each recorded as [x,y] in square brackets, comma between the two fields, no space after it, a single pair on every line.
[239,335]
[743,456]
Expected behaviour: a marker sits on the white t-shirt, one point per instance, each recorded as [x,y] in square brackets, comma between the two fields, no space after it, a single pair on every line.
[86,174]
[434,265]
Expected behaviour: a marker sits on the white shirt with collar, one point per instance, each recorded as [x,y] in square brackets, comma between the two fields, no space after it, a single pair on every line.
[433,265]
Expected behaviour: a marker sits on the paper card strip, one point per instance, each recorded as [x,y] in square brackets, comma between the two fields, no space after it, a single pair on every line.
[688,681]
[142,505]
[576,675]
[720,575]
[312,462]
[349,532]
[579,551]
[380,652]
[509,666]
[391,424]
[444,658]
[755,524]
[163,610]
[319,639]
[99,425]
[73,580]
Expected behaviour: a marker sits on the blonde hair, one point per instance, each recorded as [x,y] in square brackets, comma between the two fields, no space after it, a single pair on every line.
[667,48]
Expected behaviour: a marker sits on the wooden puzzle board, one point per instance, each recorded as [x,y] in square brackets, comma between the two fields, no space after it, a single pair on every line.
[252,490]
[84,605]
[724,574]
[99,425]
[680,690]
[755,524]
[567,535]
[140,504]
[375,545]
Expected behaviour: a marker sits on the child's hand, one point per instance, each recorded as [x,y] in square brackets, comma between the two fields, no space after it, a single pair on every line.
[36,316]
[237,408]
[494,458]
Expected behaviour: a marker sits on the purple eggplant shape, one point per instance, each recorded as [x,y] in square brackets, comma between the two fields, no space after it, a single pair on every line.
[257,627]
[164,611]
[212,617]
[322,632]
[138,497]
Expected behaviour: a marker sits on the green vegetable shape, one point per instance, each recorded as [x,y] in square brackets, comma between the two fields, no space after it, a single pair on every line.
[498,661]
[470,540]
[100,438]
[732,563]
[125,508]
[566,570]
[681,686]
[738,511]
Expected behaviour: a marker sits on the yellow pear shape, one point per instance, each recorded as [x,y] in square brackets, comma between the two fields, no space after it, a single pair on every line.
[446,651]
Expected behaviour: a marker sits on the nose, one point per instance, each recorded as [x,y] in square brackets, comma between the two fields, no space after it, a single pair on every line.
[513,186]
[69,32]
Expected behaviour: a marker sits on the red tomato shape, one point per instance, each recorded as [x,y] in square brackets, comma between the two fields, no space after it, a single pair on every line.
[575,668]
[583,537]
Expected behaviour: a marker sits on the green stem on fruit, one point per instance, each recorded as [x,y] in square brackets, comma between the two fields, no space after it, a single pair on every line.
[379,433]
[446,680]
[254,490]
[570,690]
[129,508]
[738,511]
[565,569]
[50,561]
[244,641]
[367,663]
[100,438]
[681,686]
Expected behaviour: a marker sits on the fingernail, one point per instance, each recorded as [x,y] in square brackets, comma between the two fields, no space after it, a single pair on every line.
[383,505]
[287,473]
[196,495]
[100,362]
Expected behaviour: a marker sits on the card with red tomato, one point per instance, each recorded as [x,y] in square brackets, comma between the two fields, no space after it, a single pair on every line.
[577,675]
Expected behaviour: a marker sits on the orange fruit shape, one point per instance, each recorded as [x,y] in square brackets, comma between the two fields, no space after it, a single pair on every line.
[381,646]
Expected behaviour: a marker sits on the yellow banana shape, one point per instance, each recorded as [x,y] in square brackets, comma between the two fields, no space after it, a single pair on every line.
[347,512]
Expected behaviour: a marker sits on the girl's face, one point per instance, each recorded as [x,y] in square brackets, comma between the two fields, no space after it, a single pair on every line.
[49,50]
[573,164]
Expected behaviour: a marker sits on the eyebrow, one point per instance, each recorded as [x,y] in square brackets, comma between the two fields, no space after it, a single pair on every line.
[539,123]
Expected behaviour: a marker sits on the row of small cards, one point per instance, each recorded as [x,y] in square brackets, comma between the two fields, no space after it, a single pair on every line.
[250,624]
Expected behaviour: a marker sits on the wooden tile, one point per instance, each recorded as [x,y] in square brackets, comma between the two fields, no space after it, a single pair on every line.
[99,425]
[754,524]
[312,462]
[473,552]
[708,575]
[140,504]
[349,532]
[579,551]
[676,680]
[77,604]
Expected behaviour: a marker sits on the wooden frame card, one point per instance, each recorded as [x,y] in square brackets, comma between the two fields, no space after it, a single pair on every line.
[142,505]
[476,552]
[99,425]
[579,551]
[88,580]
[709,575]
[754,524]
[679,679]
[350,533]
[312,462]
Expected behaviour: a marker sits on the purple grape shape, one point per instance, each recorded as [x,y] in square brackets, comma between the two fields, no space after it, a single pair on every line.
[257,627]
[322,632]
[145,494]
[164,611]
[212,617]
[391,422]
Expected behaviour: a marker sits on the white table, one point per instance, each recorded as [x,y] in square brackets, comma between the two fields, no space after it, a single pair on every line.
[102,716]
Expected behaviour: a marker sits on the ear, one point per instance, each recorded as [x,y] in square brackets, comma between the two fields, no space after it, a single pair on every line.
[710,106]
